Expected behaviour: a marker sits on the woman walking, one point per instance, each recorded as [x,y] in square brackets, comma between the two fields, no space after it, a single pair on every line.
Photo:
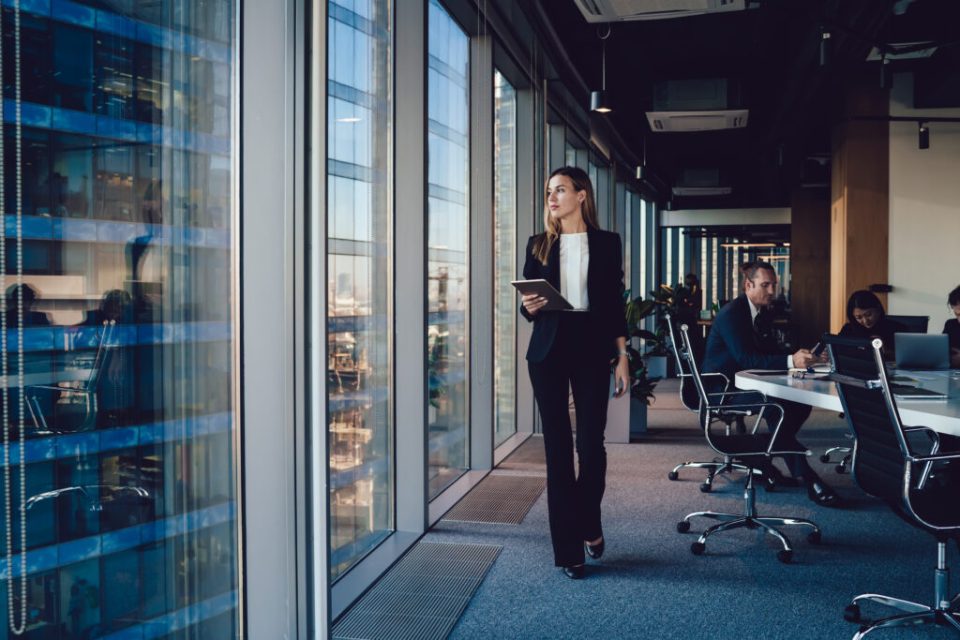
[573,350]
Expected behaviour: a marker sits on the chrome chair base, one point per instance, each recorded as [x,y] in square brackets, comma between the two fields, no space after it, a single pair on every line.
[844,465]
[749,520]
[944,613]
[714,469]
[925,615]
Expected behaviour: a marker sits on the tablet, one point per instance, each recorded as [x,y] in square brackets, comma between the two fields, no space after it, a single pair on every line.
[555,301]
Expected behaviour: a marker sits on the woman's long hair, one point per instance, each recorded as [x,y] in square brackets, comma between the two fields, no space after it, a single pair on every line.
[864,299]
[581,182]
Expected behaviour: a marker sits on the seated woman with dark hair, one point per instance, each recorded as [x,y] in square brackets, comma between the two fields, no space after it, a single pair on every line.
[867,319]
[952,327]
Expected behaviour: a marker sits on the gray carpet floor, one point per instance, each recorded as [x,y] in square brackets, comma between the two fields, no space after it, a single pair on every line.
[649,585]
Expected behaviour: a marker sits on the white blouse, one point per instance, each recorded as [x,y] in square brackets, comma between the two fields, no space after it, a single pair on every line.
[574,261]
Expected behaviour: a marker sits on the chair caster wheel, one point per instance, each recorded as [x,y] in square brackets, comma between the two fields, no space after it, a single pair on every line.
[697,548]
[852,613]
[814,537]
[683,526]
[673,475]
[840,469]
[785,556]
[824,458]
[706,487]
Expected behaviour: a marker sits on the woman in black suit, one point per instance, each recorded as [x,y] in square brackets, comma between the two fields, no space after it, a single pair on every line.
[867,319]
[574,349]
[952,327]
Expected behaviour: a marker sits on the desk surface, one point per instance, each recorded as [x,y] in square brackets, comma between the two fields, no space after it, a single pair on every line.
[942,416]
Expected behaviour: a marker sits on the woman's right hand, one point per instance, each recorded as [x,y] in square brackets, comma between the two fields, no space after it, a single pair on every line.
[533,303]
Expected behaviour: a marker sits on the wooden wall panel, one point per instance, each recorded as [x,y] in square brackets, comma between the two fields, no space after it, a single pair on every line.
[810,233]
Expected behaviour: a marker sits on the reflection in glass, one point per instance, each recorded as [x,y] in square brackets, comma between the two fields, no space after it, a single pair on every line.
[359,319]
[505,255]
[118,272]
[448,174]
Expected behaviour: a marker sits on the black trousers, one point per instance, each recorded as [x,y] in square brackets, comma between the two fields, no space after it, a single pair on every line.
[573,499]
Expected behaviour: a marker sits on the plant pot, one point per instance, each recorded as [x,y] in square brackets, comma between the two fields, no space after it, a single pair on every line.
[618,418]
[626,418]
[638,417]
[656,366]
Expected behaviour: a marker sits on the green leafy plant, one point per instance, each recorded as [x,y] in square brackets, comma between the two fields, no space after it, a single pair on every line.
[636,310]
[681,302]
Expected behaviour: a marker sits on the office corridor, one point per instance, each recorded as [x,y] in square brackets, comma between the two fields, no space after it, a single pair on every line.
[649,585]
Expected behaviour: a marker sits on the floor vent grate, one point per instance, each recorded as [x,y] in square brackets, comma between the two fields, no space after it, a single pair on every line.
[499,499]
[422,596]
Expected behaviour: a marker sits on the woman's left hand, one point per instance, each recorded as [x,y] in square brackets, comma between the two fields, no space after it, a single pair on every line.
[621,377]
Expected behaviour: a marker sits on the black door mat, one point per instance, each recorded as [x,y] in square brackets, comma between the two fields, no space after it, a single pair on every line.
[422,596]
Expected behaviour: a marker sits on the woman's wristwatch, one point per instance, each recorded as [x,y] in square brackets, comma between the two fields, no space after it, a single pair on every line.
[623,352]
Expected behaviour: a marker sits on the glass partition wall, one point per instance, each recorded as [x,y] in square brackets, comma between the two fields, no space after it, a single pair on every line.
[359,272]
[448,224]
[505,258]
[119,321]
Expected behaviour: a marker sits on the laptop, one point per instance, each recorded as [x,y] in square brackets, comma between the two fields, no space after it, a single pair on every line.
[922,351]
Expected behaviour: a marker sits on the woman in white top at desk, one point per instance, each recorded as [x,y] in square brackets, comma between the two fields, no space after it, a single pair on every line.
[574,349]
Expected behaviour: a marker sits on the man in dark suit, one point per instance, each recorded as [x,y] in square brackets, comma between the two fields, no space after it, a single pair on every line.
[742,338]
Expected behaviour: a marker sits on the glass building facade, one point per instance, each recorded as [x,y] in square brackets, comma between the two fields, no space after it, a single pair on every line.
[448,244]
[119,320]
[359,256]
[152,486]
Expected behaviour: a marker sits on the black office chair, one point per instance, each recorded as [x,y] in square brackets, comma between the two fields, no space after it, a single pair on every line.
[914,324]
[691,400]
[754,450]
[890,465]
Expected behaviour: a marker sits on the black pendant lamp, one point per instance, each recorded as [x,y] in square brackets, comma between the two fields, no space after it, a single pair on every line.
[599,100]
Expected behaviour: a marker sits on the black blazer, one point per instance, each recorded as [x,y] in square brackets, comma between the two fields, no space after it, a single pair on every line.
[604,290]
[733,345]
[952,329]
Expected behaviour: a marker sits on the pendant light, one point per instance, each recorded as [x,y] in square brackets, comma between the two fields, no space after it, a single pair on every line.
[599,101]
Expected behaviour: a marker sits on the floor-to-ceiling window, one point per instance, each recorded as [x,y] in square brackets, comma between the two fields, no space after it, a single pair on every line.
[448,212]
[359,276]
[119,336]
[505,256]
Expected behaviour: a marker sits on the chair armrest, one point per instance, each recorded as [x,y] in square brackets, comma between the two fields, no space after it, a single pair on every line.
[935,458]
[50,387]
[717,374]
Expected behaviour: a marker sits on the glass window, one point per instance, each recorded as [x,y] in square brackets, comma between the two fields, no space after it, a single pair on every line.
[505,255]
[448,215]
[359,270]
[118,192]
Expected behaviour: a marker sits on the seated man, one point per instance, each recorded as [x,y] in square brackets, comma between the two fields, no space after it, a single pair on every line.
[742,338]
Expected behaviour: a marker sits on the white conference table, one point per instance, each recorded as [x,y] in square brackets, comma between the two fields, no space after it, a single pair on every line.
[939,415]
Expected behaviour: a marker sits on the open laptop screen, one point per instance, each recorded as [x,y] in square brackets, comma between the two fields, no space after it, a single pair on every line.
[922,351]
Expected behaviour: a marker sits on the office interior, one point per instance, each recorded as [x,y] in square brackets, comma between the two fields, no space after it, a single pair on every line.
[259,336]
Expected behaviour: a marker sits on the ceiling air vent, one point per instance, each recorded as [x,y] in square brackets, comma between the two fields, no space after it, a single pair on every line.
[701,182]
[687,121]
[624,10]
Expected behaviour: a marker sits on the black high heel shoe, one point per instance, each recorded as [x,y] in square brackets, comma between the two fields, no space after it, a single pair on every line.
[576,572]
[595,551]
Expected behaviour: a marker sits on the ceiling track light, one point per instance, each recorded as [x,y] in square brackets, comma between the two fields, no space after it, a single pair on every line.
[824,46]
[599,100]
[886,72]
[923,135]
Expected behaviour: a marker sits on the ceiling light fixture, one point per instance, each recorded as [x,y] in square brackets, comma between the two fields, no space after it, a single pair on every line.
[886,72]
[599,101]
[824,46]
